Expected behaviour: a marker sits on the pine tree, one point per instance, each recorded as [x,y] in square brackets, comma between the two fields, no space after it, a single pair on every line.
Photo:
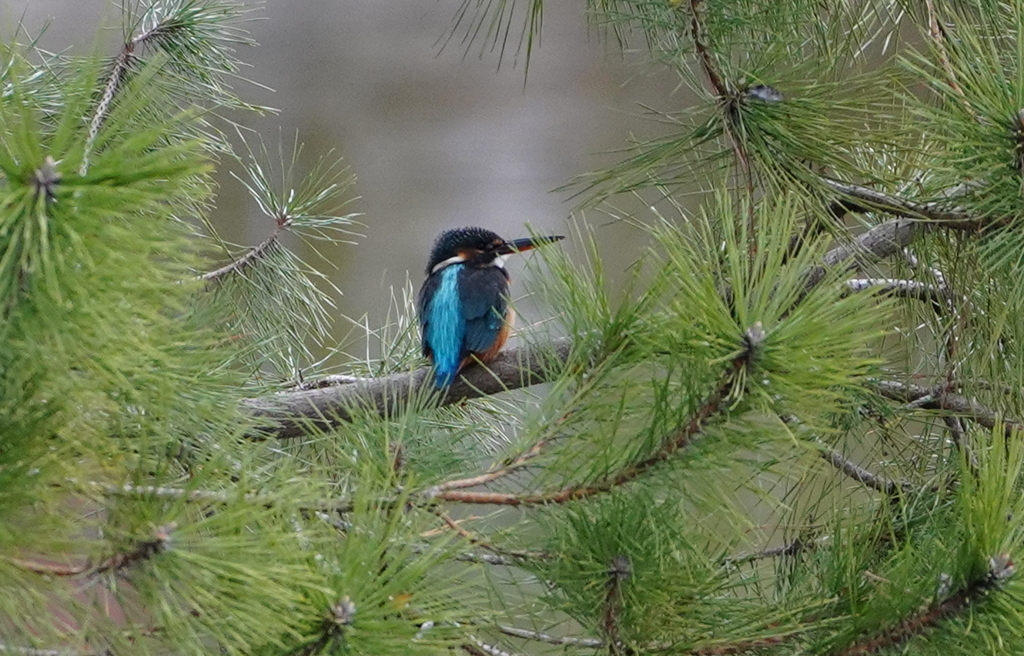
[796,430]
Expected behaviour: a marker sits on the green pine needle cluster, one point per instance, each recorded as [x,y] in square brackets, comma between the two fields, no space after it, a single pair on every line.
[792,426]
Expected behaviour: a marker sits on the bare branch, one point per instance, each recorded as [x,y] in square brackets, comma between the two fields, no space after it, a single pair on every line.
[797,546]
[874,481]
[939,399]
[878,201]
[212,496]
[292,414]
[914,289]
[537,636]
[480,648]
[488,477]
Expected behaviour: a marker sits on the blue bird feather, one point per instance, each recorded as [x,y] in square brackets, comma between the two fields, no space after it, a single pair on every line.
[444,326]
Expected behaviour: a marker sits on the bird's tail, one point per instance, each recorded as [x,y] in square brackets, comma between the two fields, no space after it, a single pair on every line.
[444,376]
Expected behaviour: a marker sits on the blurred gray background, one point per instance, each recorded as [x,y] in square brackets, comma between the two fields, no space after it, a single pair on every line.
[436,137]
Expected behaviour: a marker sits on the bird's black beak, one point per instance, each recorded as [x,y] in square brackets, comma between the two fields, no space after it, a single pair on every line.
[526,243]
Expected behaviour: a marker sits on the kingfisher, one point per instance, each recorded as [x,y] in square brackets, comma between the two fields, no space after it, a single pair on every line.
[463,305]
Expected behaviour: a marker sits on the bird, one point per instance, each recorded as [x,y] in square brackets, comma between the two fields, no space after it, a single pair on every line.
[463,305]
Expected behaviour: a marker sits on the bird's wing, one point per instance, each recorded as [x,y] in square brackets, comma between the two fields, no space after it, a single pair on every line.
[484,294]
[428,291]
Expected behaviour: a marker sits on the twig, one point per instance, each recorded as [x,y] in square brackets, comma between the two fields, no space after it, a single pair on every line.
[704,51]
[210,496]
[49,569]
[468,536]
[537,636]
[914,289]
[480,648]
[251,256]
[488,477]
[1000,569]
[797,546]
[863,476]
[509,559]
[143,550]
[935,211]
[940,399]
[35,651]
[619,571]
[674,442]
[115,79]
[721,89]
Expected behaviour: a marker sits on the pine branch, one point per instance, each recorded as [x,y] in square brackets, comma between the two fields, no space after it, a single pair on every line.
[292,414]
[713,405]
[913,289]
[619,571]
[481,648]
[142,550]
[537,636]
[933,211]
[938,398]
[162,32]
[1000,569]
[698,34]
[797,546]
[247,259]
[874,481]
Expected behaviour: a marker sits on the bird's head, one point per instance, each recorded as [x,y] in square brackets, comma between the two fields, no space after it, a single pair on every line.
[477,247]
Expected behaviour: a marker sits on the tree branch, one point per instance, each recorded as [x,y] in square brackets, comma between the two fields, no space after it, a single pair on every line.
[115,80]
[863,476]
[938,398]
[914,289]
[488,477]
[1000,569]
[537,636]
[480,648]
[933,211]
[797,546]
[673,442]
[247,259]
[141,550]
[292,414]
